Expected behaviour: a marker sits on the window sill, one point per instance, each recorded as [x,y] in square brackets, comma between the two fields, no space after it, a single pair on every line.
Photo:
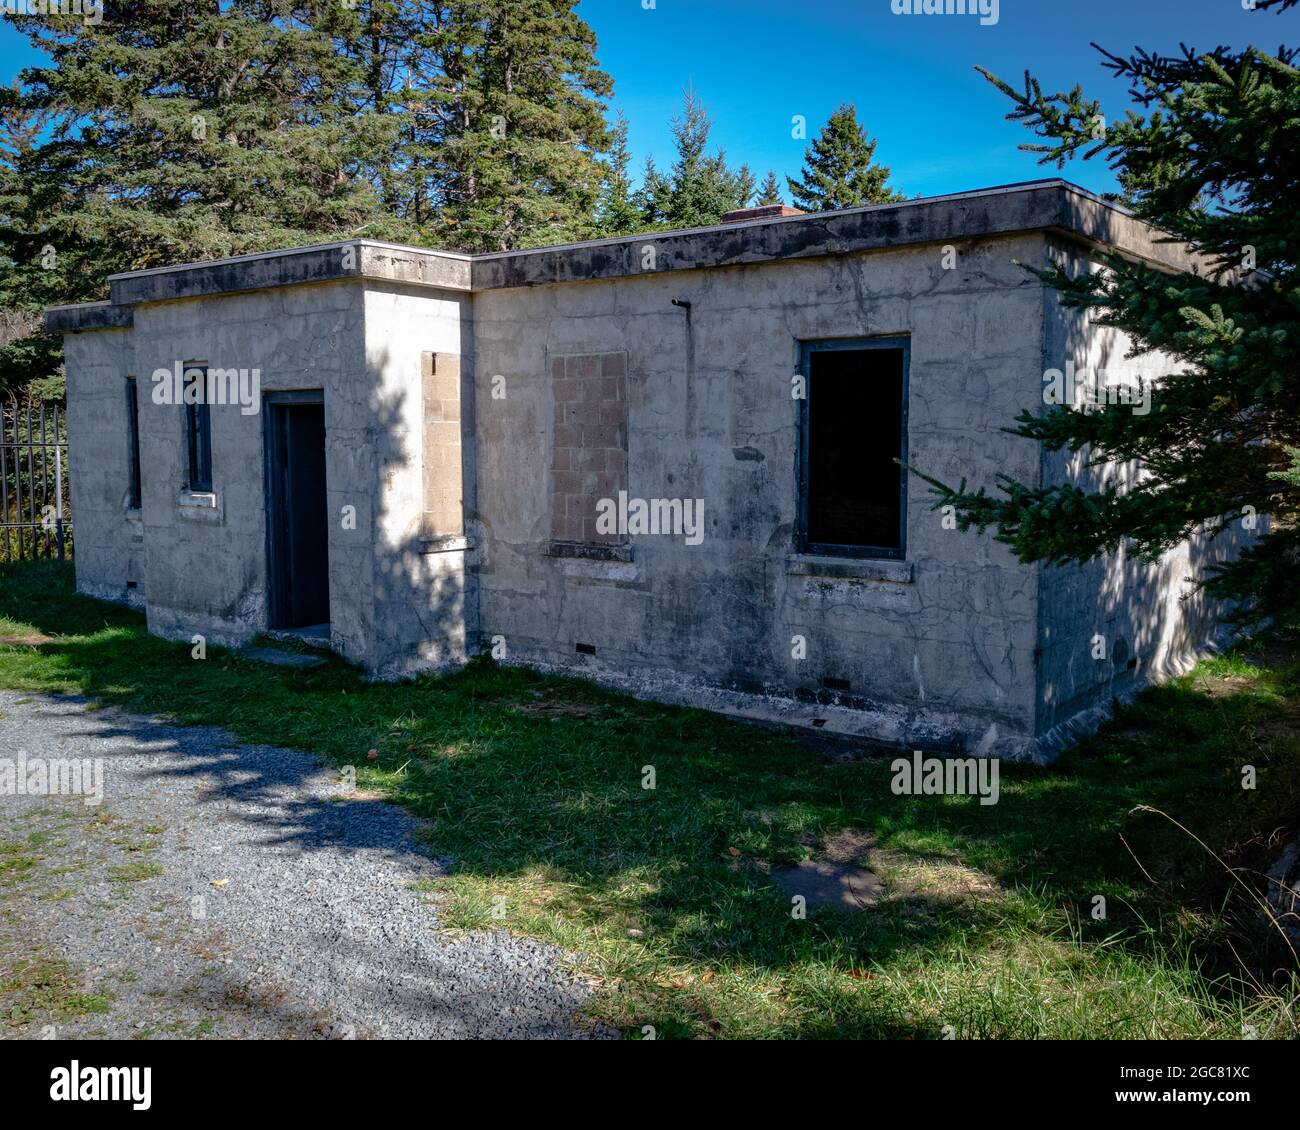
[849,568]
[445,543]
[203,505]
[589,551]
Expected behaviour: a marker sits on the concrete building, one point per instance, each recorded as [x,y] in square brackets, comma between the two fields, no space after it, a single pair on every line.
[666,462]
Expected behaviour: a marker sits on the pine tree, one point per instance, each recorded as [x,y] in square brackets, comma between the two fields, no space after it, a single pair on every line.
[769,192]
[617,212]
[1214,163]
[838,169]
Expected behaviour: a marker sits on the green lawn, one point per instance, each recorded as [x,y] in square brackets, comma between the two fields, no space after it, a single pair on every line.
[532,787]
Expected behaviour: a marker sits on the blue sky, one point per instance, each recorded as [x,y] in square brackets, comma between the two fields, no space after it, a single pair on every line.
[941,127]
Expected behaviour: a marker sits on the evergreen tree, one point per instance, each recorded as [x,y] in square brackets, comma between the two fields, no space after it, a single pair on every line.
[1213,161]
[517,96]
[769,192]
[744,187]
[617,212]
[27,354]
[701,187]
[174,132]
[183,131]
[652,197]
[838,169]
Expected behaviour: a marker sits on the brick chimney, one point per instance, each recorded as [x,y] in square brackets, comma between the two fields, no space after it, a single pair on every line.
[766,212]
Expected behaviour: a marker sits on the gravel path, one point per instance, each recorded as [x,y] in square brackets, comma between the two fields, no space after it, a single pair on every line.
[231,890]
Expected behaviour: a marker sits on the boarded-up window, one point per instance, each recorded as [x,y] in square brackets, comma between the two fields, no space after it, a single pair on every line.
[589,458]
[854,429]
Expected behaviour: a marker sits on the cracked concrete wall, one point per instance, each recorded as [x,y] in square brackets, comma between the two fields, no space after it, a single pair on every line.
[109,535]
[942,658]
[1147,620]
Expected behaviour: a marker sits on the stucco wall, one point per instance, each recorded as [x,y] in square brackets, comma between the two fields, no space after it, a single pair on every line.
[941,658]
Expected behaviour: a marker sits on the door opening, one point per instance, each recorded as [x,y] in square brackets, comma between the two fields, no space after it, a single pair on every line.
[297,527]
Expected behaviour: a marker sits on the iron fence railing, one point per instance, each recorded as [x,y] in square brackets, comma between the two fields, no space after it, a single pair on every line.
[34,504]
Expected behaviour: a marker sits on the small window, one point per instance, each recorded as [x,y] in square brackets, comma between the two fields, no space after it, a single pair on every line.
[132,445]
[853,493]
[198,430]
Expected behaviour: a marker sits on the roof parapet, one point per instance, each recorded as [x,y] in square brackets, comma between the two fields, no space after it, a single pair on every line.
[1048,205]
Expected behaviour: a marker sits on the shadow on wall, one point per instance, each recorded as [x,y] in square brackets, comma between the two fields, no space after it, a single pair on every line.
[402,600]
[1109,626]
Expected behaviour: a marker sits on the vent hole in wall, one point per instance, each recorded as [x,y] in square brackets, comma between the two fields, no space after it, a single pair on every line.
[585,648]
[835,684]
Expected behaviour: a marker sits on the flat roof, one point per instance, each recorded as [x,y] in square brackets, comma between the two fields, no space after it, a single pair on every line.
[1052,205]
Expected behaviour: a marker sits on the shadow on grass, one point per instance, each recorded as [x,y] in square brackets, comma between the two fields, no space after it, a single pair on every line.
[532,786]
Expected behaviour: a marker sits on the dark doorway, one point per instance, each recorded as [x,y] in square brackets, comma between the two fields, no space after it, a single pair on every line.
[297,526]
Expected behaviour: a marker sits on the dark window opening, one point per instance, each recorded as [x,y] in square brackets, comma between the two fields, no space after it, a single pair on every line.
[133,445]
[854,428]
[198,431]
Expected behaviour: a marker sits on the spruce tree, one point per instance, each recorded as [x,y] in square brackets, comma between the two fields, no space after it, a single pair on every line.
[175,132]
[518,98]
[188,131]
[1211,158]
[617,212]
[769,192]
[27,354]
[839,171]
[651,197]
[745,186]
[700,188]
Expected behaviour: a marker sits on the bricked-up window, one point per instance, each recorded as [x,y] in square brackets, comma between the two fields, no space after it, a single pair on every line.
[589,460]
[198,432]
[444,512]
[854,426]
[132,446]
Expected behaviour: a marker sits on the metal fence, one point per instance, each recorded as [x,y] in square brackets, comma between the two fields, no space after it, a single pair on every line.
[33,480]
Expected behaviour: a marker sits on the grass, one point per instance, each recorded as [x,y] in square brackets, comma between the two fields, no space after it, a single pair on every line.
[44,988]
[532,788]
